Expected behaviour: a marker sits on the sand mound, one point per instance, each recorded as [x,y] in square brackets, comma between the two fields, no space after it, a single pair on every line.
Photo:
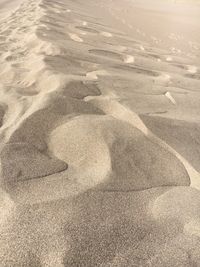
[31,134]
[100,161]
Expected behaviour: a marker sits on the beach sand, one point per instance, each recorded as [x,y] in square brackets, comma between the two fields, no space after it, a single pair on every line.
[99,133]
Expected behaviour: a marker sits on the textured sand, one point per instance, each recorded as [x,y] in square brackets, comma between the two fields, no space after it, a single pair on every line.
[99,133]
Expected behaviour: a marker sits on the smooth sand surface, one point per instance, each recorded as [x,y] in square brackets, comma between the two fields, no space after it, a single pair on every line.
[99,133]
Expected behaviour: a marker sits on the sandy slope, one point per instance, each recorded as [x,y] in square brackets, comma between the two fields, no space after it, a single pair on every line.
[99,134]
[7,7]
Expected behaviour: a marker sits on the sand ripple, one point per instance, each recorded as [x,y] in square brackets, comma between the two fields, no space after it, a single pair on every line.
[99,136]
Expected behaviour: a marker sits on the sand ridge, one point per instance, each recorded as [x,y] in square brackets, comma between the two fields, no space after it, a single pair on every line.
[96,114]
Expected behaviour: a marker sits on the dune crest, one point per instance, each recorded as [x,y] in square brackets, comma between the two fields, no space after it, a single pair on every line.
[99,134]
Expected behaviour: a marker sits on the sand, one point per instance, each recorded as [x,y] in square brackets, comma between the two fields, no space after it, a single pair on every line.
[99,133]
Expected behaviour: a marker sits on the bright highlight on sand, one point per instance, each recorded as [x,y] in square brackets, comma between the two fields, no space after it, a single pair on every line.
[142,48]
[106,34]
[170,97]
[75,37]
[169,59]
[192,69]
[129,59]
[93,75]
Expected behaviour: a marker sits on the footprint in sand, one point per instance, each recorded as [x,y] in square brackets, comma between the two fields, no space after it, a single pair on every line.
[106,34]
[170,97]
[75,37]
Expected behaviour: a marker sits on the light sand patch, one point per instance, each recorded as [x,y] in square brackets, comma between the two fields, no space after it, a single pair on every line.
[170,97]
[6,207]
[169,59]
[193,228]
[84,23]
[128,59]
[75,37]
[106,34]
[83,33]
[93,75]
[163,79]
[142,48]
[192,69]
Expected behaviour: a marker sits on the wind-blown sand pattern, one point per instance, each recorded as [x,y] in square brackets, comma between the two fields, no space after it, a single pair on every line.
[99,133]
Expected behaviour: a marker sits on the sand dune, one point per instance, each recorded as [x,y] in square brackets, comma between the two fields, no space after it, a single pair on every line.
[99,133]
